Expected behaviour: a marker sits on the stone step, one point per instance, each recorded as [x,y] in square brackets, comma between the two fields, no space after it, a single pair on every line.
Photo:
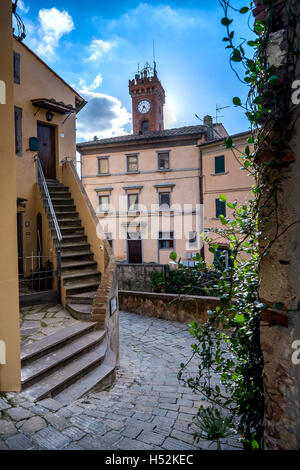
[37,367]
[69,230]
[80,287]
[75,246]
[38,348]
[57,197]
[66,215]
[82,277]
[77,264]
[62,202]
[61,190]
[86,384]
[64,208]
[75,273]
[81,255]
[69,222]
[80,309]
[83,298]
[68,374]
[77,237]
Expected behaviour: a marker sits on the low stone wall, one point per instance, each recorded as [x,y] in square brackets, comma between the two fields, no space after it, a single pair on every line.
[185,308]
[137,277]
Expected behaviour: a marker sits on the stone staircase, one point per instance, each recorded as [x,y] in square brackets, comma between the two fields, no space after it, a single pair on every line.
[66,364]
[80,275]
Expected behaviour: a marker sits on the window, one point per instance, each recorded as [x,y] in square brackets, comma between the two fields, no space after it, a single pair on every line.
[133,202]
[103,203]
[18,131]
[192,239]
[145,127]
[222,258]
[220,208]
[163,161]
[166,240]
[16,67]
[132,163]
[164,200]
[103,166]
[219,164]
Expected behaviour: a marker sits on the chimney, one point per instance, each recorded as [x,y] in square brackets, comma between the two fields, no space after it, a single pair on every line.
[208,121]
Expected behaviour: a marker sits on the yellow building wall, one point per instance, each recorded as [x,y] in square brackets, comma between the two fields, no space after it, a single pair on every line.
[9,300]
[184,174]
[235,184]
[38,81]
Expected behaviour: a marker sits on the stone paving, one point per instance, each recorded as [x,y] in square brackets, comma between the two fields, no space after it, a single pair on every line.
[145,409]
[39,321]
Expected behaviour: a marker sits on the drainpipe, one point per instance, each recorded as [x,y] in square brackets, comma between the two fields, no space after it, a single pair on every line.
[201,198]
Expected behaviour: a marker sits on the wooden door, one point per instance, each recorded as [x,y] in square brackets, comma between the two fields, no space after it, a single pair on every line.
[134,251]
[46,153]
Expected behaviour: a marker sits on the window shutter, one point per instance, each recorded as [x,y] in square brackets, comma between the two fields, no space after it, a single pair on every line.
[219,164]
[17,67]
[220,208]
[18,131]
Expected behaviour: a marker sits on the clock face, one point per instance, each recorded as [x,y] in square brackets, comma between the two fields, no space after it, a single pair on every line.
[144,106]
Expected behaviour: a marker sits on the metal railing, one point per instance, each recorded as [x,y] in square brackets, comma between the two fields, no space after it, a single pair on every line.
[52,220]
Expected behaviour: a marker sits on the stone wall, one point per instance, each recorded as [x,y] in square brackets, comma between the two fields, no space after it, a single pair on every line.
[280,270]
[186,308]
[137,277]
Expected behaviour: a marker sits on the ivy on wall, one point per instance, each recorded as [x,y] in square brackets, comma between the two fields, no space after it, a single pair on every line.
[228,345]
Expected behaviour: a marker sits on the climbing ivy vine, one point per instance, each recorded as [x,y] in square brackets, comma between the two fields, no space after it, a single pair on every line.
[228,345]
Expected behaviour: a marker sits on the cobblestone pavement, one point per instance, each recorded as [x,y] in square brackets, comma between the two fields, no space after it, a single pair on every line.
[146,408]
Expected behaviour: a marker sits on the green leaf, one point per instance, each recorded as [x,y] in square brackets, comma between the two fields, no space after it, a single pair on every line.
[228,143]
[244,10]
[223,198]
[237,101]
[226,21]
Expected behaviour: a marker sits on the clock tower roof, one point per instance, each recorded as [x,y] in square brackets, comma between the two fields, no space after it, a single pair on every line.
[148,99]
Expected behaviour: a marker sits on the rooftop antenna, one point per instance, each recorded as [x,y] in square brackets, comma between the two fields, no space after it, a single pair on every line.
[218,109]
[154,62]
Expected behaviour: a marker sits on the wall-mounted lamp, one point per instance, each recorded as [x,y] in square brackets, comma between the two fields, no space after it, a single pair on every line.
[49,116]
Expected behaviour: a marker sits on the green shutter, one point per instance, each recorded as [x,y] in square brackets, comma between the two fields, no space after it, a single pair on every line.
[220,208]
[219,164]
[18,131]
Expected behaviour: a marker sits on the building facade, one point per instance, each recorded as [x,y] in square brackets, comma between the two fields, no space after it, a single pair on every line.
[155,190]
[51,249]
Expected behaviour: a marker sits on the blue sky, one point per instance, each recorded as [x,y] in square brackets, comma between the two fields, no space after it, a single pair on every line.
[96,46]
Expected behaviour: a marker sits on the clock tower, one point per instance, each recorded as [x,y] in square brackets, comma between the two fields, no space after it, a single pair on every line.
[148,99]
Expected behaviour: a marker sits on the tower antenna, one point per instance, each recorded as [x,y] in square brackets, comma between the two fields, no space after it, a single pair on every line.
[154,62]
[218,109]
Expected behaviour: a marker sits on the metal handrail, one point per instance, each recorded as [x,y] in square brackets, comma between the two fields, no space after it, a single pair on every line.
[52,220]
[49,205]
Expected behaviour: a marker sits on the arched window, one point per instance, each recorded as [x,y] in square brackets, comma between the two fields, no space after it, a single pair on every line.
[145,127]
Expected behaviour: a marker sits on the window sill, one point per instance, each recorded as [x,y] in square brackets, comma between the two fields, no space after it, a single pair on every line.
[163,171]
[132,172]
[103,174]
[220,174]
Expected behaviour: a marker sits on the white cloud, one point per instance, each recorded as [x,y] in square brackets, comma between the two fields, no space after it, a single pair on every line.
[98,48]
[165,16]
[84,88]
[53,25]
[103,116]
[23,7]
